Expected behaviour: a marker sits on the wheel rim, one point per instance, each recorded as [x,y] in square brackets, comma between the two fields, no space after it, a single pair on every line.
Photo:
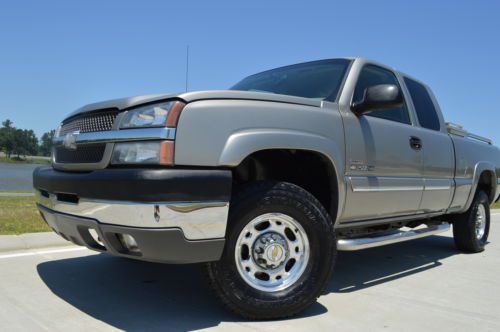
[480,221]
[272,252]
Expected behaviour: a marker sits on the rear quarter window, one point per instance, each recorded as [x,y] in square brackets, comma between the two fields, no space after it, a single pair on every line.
[424,107]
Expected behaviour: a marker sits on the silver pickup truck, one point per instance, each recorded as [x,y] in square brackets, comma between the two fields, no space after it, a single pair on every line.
[266,181]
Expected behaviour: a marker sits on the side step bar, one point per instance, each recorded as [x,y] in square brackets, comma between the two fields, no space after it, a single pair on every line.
[389,238]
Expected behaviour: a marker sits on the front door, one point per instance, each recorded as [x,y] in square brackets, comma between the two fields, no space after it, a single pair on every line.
[384,164]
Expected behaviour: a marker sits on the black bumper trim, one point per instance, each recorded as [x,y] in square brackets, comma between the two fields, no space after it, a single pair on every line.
[167,245]
[138,184]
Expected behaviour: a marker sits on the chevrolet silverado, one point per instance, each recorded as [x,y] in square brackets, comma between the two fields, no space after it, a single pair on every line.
[266,181]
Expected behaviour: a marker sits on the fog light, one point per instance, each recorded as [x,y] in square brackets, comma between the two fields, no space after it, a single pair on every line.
[129,243]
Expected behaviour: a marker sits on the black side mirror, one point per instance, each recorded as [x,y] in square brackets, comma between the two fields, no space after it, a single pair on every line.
[378,97]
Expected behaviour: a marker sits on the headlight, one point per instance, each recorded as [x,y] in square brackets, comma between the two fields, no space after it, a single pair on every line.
[58,131]
[163,114]
[157,152]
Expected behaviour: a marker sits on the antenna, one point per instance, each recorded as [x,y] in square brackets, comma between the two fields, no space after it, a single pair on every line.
[187,66]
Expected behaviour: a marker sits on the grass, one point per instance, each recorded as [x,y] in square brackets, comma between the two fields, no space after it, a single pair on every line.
[496,205]
[19,215]
[18,160]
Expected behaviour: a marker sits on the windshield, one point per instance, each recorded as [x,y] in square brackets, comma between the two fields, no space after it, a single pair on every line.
[317,79]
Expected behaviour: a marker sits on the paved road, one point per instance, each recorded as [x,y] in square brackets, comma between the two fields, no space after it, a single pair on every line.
[418,285]
[9,194]
[17,176]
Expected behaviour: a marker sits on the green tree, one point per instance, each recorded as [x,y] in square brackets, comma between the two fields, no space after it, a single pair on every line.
[19,143]
[7,137]
[25,142]
[45,148]
[30,142]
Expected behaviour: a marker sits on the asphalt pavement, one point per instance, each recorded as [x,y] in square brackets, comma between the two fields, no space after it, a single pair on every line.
[424,284]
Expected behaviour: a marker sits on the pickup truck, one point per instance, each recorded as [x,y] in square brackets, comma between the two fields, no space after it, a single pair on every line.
[266,181]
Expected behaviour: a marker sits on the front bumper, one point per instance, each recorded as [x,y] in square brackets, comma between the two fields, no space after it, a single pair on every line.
[174,215]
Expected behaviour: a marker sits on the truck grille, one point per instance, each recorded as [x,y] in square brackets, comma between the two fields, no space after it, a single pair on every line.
[101,121]
[84,154]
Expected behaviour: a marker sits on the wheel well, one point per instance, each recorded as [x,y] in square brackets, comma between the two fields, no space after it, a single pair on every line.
[485,184]
[308,169]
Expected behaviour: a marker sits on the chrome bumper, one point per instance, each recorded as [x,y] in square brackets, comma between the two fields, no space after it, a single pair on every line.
[197,220]
[161,245]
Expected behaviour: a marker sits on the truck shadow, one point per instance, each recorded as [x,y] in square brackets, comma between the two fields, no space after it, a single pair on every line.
[356,270]
[137,296]
[133,295]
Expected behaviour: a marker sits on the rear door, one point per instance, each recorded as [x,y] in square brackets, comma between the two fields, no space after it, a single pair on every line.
[437,148]
[383,169]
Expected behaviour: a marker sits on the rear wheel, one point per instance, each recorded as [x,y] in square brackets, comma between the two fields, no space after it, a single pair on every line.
[471,229]
[279,254]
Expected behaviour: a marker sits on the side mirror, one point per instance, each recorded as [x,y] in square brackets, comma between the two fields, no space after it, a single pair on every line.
[378,97]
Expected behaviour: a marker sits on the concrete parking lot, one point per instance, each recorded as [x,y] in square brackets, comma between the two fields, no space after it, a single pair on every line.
[418,285]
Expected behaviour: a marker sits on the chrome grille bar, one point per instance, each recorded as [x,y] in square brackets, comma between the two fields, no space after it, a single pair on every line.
[89,123]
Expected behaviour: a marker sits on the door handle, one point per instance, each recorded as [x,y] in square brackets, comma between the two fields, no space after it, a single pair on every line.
[415,143]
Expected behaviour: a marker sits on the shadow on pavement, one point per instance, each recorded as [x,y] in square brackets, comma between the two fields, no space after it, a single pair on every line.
[356,270]
[133,295]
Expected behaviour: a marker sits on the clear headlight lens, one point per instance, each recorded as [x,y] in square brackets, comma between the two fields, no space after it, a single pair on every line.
[154,115]
[58,131]
[157,152]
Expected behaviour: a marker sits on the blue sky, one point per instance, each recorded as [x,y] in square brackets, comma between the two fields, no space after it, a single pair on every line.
[56,56]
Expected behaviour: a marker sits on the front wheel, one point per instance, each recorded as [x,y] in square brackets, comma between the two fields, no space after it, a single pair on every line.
[280,251]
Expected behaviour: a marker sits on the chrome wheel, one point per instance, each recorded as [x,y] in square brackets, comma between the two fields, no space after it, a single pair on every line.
[480,221]
[272,252]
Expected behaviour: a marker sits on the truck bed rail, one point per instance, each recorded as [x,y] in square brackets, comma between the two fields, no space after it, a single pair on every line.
[458,130]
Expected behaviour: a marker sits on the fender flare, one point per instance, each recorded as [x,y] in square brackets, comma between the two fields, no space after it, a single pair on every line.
[479,168]
[243,143]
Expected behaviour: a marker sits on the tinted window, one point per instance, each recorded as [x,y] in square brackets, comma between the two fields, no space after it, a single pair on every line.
[424,106]
[317,79]
[372,75]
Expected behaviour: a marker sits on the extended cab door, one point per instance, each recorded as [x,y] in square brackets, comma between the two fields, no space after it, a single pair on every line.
[384,162]
[437,148]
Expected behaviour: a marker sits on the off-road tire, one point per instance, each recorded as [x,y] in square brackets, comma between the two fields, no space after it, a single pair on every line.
[464,230]
[275,197]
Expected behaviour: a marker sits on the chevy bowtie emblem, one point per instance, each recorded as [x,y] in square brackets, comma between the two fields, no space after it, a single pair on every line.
[69,141]
[274,253]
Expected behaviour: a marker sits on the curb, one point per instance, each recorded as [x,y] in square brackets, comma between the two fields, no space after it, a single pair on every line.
[32,241]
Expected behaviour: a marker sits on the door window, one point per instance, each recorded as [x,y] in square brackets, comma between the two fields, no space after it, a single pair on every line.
[424,107]
[373,75]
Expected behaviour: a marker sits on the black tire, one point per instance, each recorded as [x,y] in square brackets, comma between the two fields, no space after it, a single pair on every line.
[464,226]
[275,197]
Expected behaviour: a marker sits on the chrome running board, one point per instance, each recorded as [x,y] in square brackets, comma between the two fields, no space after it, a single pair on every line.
[389,238]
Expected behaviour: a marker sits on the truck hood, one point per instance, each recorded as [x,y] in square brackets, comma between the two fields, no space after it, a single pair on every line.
[124,103]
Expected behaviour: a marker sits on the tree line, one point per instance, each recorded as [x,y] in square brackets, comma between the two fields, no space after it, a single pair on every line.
[23,142]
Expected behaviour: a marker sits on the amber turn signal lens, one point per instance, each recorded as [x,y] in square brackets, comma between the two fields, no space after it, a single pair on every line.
[167,153]
[174,113]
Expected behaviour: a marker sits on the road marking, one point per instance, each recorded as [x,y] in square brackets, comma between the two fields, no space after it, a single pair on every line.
[42,252]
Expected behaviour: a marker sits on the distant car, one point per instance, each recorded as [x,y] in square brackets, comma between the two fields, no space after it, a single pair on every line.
[266,181]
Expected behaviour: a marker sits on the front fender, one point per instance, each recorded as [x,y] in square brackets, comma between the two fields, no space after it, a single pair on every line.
[243,143]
